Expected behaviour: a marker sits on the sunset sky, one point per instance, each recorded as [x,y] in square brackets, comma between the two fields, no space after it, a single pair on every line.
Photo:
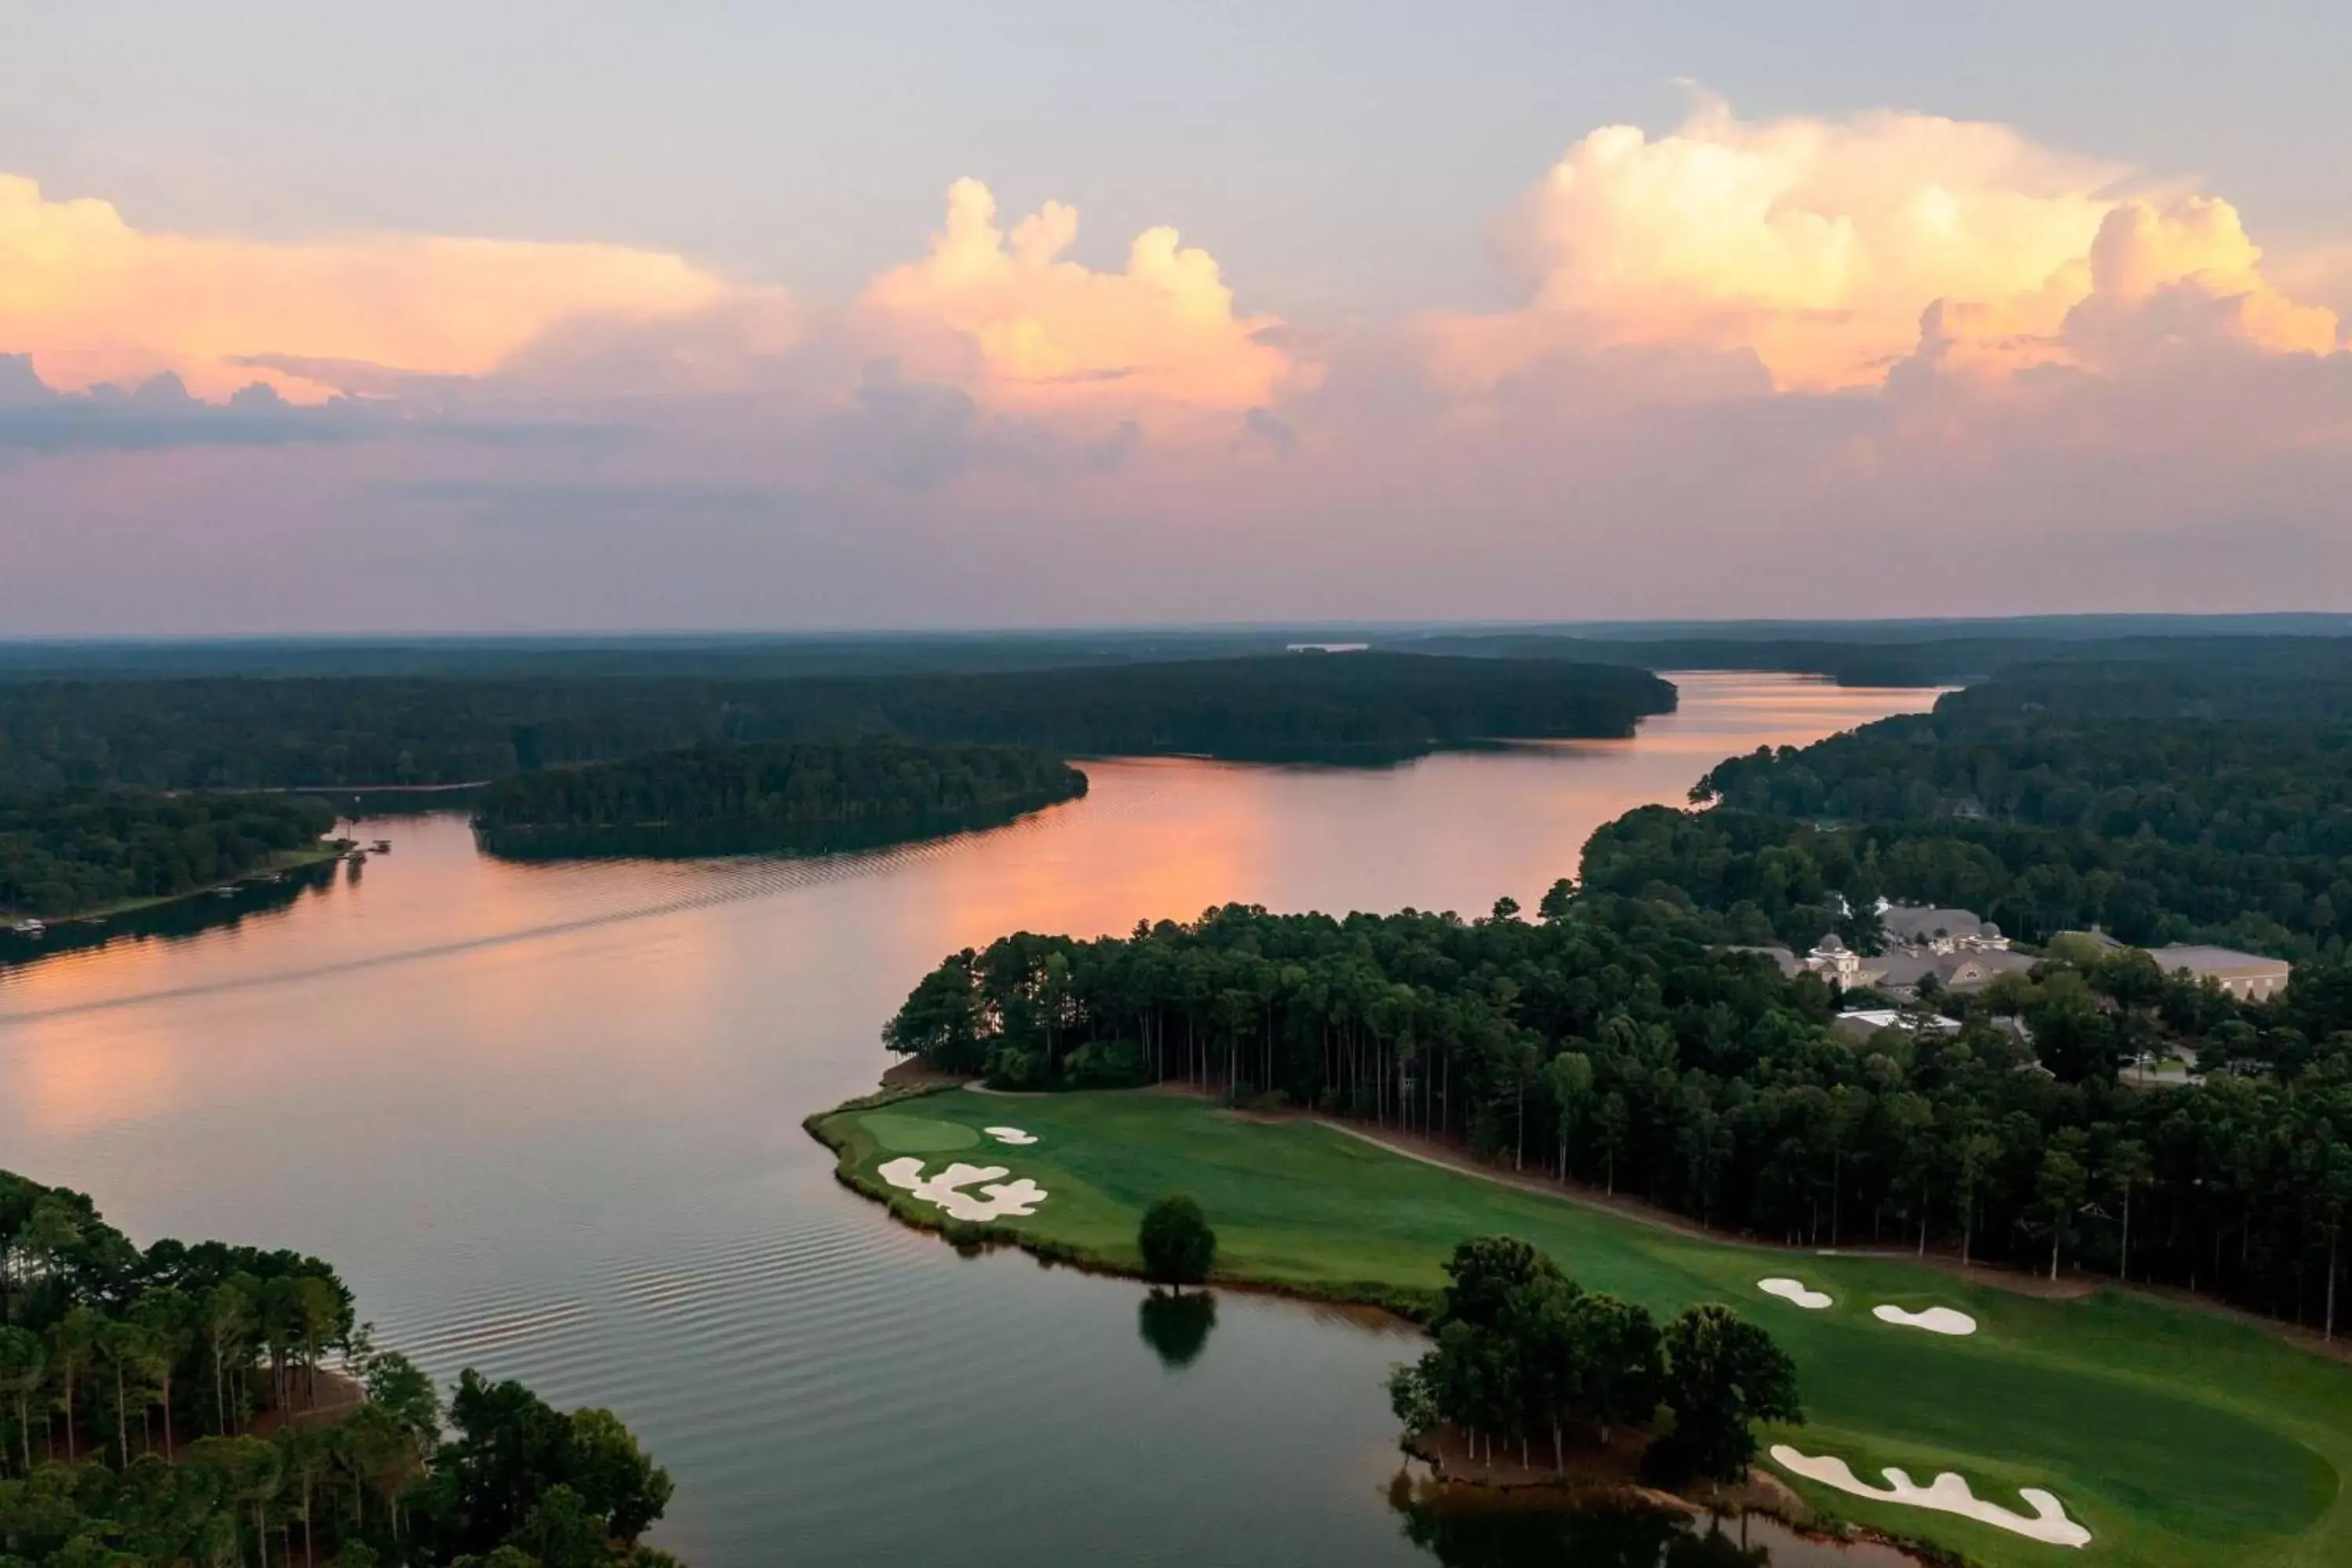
[572,316]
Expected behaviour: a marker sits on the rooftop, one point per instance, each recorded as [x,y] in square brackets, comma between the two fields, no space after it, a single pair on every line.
[2215,961]
[1877,1018]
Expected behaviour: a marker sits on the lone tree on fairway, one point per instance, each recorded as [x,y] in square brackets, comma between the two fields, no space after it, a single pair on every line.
[1177,1242]
[1722,1372]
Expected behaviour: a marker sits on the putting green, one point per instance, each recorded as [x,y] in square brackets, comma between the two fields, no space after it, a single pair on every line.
[2176,1438]
[918,1134]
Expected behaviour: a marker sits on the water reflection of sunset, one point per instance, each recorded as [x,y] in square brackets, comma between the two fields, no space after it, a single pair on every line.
[447,1012]
[82,1073]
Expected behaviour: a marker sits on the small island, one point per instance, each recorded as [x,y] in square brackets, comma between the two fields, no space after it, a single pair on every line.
[785,796]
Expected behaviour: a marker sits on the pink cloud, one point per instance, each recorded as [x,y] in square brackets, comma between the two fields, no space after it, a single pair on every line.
[1006,314]
[92,298]
[1884,364]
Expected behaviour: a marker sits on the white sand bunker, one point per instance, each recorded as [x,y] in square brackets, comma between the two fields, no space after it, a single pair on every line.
[1010,1135]
[1950,1494]
[1793,1291]
[1000,1200]
[1935,1320]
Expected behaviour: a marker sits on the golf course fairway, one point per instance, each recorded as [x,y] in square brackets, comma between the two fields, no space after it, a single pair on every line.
[2179,1438]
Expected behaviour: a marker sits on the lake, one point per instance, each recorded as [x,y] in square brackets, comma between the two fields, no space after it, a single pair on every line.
[545,1120]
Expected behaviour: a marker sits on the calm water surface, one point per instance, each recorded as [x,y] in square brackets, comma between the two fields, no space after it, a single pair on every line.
[546,1121]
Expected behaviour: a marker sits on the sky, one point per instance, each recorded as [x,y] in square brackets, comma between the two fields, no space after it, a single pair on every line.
[592,316]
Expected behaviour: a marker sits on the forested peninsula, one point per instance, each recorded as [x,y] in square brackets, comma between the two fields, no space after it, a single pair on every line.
[71,851]
[214,1404]
[786,795]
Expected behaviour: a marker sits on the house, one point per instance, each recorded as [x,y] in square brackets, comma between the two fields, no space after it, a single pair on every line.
[1902,973]
[1902,969]
[1938,930]
[2246,976]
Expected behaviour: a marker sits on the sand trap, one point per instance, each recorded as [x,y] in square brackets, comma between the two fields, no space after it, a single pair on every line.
[1950,1494]
[1010,1135]
[945,1192]
[1935,1320]
[1795,1291]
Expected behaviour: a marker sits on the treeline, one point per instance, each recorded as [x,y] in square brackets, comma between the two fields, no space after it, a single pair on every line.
[718,798]
[2082,672]
[2265,678]
[223,734]
[1610,1042]
[80,849]
[1525,1353]
[628,656]
[218,1404]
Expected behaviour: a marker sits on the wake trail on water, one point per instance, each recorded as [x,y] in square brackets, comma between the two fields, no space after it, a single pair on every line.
[772,877]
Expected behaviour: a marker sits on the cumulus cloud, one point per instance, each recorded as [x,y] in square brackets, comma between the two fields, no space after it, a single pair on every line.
[1817,247]
[1008,315]
[93,299]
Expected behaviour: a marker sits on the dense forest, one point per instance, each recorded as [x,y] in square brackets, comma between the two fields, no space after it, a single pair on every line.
[785,795]
[237,733]
[82,849]
[750,655]
[2161,674]
[2296,678]
[2157,828]
[1611,1041]
[218,1404]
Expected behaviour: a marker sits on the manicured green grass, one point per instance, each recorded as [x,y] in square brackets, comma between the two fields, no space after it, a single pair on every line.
[2175,1437]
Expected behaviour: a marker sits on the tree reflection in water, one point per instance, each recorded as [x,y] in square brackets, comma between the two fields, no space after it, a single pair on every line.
[1469,1529]
[1176,1327]
[1590,1537]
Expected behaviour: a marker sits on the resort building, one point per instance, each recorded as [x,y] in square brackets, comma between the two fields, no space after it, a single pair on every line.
[2246,976]
[1901,974]
[1940,930]
[1955,949]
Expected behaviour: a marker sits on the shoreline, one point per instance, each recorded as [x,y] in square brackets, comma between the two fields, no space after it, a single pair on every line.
[283,861]
[1405,1307]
